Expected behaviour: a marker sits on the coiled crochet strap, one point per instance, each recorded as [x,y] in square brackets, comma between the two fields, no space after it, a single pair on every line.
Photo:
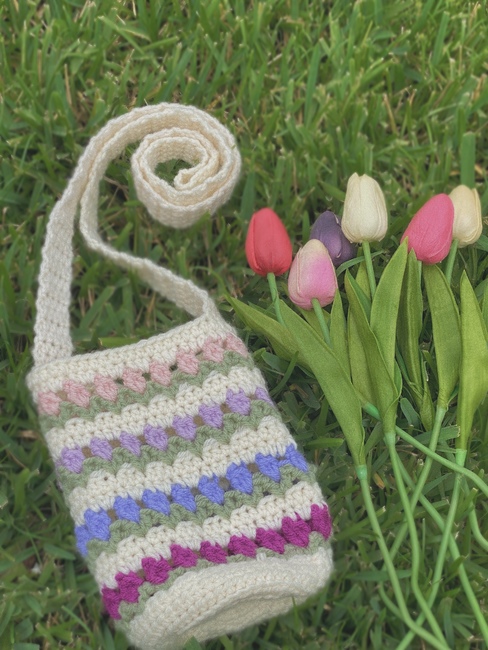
[167,132]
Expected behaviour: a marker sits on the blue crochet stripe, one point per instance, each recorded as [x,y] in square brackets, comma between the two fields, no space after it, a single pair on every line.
[97,523]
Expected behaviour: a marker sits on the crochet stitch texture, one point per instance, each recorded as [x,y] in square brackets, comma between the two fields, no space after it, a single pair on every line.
[192,506]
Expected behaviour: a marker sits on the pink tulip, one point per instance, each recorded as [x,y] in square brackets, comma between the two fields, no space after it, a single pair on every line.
[312,275]
[430,231]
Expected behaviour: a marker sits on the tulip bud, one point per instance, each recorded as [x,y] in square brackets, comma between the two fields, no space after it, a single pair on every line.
[467,215]
[312,275]
[430,231]
[268,247]
[327,229]
[365,217]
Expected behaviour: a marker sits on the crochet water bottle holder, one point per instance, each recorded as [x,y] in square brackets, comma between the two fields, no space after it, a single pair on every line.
[192,506]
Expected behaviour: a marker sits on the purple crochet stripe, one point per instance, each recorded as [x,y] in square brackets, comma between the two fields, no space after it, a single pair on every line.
[237,477]
[156,571]
[72,458]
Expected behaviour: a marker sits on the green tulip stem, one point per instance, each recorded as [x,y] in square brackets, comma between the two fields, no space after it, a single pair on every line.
[455,554]
[320,316]
[422,479]
[455,467]
[273,289]
[388,602]
[369,267]
[450,260]
[445,527]
[475,529]
[408,512]
[449,522]
[362,474]
[373,411]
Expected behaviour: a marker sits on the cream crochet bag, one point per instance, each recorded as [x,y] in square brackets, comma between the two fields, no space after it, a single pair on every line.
[195,512]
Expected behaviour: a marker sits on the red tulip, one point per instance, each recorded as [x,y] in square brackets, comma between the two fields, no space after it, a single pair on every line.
[430,231]
[268,247]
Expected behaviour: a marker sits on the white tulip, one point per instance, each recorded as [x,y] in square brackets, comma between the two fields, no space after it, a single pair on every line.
[365,217]
[467,215]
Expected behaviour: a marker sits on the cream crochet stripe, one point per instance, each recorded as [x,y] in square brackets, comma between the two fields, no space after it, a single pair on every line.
[161,409]
[271,437]
[231,598]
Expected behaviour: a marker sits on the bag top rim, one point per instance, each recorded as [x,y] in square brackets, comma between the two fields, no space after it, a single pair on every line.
[163,347]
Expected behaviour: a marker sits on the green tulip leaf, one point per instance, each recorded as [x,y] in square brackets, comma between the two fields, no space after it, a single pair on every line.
[382,384]
[485,306]
[397,377]
[473,380]
[384,308]
[446,332]
[410,320]
[427,412]
[282,341]
[311,318]
[360,292]
[409,327]
[358,362]
[357,357]
[482,243]
[333,380]
[363,281]
[338,333]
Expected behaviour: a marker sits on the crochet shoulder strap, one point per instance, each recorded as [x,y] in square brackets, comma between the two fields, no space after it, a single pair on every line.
[166,132]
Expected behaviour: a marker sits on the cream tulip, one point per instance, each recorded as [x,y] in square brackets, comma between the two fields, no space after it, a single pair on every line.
[467,215]
[365,217]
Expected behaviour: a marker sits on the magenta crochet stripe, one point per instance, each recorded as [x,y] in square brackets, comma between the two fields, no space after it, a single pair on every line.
[157,570]
[135,379]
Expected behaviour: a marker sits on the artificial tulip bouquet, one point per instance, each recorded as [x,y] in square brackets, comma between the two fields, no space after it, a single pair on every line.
[401,359]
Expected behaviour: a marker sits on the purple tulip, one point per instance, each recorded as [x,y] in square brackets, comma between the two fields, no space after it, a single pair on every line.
[327,229]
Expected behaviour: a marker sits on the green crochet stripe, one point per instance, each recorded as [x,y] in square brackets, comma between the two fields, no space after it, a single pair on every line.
[120,456]
[233,499]
[129,611]
[98,405]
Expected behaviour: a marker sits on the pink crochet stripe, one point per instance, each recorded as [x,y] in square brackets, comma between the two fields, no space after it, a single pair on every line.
[188,362]
[156,571]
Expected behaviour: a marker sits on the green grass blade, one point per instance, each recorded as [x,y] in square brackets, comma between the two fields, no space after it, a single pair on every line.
[468,159]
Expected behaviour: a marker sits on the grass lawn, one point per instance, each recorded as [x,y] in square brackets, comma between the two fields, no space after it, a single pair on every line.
[313,91]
